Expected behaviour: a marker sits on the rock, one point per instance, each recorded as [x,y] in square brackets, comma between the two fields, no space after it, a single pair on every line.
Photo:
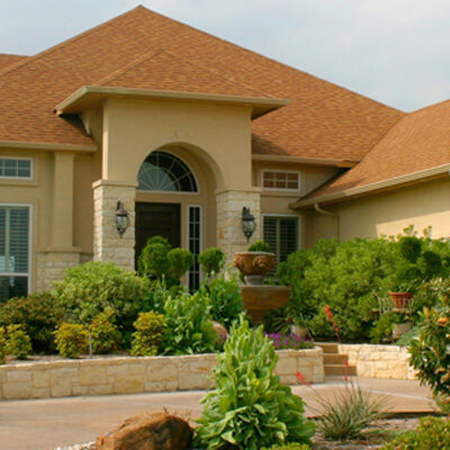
[221,331]
[148,432]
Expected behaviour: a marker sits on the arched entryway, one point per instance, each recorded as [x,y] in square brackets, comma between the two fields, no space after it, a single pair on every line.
[175,199]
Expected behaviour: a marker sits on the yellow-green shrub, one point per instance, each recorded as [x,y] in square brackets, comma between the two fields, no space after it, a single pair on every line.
[71,340]
[18,342]
[104,333]
[147,337]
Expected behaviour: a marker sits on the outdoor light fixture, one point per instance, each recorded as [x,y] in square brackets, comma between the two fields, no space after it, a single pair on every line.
[121,219]
[248,223]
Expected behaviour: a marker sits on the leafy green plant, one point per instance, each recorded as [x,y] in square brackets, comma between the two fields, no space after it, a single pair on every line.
[2,345]
[189,328]
[384,326]
[89,289]
[212,261]
[18,342]
[250,408]
[349,413]
[72,340]
[429,351]
[259,246]
[148,335]
[37,314]
[225,299]
[105,335]
[432,433]
[159,261]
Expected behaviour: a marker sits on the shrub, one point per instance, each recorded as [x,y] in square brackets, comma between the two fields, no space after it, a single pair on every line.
[250,408]
[2,345]
[225,300]
[72,340]
[189,327]
[349,413]
[158,260]
[18,342]
[148,335]
[105,335]
[38,315]
[429,351]
[89,289]
[212,261]
[432,433]
[259,246]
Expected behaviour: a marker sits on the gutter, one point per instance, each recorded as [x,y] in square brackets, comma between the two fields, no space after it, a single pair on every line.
[373,187]
[329,213]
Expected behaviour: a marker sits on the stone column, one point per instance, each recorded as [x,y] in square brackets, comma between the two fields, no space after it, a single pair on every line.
[230,237]
[108,245]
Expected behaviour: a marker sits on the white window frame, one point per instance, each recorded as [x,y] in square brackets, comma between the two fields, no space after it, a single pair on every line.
[30,244]
[299,225]
[296,172]
[31,177]
[200,238]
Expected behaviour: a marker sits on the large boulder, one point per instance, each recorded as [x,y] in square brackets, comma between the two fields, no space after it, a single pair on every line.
[148,432]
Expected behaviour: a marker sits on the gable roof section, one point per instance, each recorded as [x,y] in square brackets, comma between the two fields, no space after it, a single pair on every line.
[7,60]
[416,148]
[322,121]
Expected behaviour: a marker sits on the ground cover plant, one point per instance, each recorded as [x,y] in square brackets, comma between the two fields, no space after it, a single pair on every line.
[250,408]
[289,341]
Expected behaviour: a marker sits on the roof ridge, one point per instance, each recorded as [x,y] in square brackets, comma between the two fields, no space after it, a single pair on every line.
[124,69]
[67,42]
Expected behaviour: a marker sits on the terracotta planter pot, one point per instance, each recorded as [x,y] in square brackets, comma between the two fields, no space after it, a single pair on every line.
[401,300]
[400,329]
[254,265]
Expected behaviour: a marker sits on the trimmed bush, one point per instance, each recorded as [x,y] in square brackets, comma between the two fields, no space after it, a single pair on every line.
[180,260]
[212,261]
[189,328]
[148,335]
[2,345]
[250,408]
[225,300]
[105,335]
[89,289]
[18,342]
[38,315]
[259,246]
[432,434]
[72,340]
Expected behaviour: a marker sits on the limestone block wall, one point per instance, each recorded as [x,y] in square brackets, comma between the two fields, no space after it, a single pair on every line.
[127,375]
[230,237]
[379,361]
[51,266]
[108,245]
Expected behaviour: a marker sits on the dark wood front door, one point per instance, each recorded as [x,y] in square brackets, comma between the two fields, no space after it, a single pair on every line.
[157,219]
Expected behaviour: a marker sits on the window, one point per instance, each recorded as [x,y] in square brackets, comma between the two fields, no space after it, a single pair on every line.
[14,251]
[162,171]
[15,168]
[194,239]
[281,180]
[281,233]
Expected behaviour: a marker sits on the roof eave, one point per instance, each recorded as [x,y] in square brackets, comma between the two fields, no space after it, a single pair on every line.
[90,148]
[373,188]
[326,162]
[94,95]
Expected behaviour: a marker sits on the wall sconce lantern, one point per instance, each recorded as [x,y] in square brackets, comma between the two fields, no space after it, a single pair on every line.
[121,219]
[248,223]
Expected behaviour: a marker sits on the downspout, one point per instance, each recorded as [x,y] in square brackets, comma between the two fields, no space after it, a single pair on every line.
[329,213]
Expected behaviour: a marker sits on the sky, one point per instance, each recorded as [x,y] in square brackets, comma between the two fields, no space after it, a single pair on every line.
[394,51]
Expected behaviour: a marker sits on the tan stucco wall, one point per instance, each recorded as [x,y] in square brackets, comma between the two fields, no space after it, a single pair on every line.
[388,213]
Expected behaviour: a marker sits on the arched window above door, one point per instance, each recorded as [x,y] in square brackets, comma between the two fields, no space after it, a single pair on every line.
[162,171]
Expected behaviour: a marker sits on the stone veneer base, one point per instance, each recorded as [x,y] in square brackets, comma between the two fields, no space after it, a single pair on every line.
[130,375]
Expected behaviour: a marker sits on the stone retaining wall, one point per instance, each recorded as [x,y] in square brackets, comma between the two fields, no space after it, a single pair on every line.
[379,361]
[128,375]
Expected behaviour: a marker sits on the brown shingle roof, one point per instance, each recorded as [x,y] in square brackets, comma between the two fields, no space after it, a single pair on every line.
[323,119]
[420,141]
[7,60]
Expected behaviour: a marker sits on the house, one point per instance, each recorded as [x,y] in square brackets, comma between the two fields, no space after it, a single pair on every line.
[151,122]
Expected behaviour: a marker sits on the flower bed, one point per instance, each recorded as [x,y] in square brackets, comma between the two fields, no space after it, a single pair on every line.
[127,375]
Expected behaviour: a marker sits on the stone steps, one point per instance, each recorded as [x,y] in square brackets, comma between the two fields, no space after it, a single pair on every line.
[335,363]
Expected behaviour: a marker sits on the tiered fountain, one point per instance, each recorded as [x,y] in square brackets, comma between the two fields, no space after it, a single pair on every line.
[258,297]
